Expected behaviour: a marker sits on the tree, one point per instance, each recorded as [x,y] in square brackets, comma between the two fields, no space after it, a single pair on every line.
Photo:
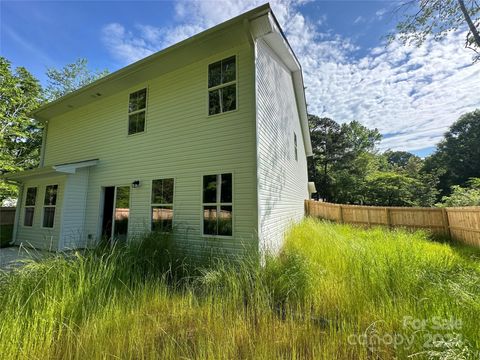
[398,158]
[70,78]
[437,18]
[20,135]
[463,196]
[457,158]
[327,143]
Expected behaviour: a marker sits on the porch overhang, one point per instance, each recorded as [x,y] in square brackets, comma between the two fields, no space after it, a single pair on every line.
[55,170]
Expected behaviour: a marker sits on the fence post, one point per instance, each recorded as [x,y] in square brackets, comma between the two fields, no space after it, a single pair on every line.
[387,213]
[446,224]
[340,217]
[307,207]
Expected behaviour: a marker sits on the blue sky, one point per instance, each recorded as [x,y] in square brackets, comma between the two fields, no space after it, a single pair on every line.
[410,94]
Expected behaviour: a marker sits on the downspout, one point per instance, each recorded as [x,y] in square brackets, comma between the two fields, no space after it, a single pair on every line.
[17,210]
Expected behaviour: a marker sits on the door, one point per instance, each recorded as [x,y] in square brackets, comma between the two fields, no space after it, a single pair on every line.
[116,213]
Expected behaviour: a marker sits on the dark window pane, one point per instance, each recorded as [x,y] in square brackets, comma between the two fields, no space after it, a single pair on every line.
[214,102]
[210,189]
[48,217]
[228,70]
[28,221]
[136,123]
[214,74]
[51,195]
[162,218]
[210,220]
[162,191]
[229,98]
[226,192]
[225,221]
[31,196]
[138,100]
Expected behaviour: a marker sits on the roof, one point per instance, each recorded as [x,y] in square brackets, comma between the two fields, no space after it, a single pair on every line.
[260,21]
[60,169]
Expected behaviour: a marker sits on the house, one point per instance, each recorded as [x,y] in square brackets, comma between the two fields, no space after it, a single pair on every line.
[207,140]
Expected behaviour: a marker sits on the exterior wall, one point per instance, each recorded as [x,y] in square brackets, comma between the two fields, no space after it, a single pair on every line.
[37,236]
[282,181]
[74,206]
[180,141]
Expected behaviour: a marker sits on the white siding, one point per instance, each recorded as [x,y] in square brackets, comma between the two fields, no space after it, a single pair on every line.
[37,236]
[73,215]
[282,180]
[180,141]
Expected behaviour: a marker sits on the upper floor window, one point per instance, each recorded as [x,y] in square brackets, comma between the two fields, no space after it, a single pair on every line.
[30,200]
[295,146]
[162,205]
[222,86]
[217,205]
[49,204]
[137,106]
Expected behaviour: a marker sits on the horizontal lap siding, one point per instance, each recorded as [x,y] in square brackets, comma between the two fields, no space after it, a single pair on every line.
[282,181]
[180,141]
[36,236]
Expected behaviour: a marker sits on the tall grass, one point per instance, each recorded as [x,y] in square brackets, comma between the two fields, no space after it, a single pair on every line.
[334,292]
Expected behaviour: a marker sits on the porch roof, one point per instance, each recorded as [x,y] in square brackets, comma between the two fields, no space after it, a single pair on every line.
[60,169]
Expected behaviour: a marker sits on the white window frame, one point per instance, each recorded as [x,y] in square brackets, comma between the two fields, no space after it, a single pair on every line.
[30,206]
[165,205]
[146,88]
[217,203]
[49,206]
[217,87]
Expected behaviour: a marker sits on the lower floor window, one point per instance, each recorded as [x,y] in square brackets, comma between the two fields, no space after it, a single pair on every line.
[217,205]
[162,204]
[29,211]
[49,204]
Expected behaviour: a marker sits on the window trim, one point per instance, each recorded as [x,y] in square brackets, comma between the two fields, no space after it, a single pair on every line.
[25,206]
[147,88]
[49,206]
[218,204]
[158,204]
[223,85]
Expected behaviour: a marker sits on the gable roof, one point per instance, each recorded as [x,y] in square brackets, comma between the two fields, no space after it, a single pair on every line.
[258,22]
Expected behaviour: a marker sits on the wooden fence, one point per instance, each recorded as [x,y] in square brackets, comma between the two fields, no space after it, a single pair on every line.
[7,215]
[461,223]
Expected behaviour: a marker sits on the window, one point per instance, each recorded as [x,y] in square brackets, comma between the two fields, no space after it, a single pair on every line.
[162,205]
[295,146]
[30,206]
[137,106]
[222,86]
[49,205]
[217,205]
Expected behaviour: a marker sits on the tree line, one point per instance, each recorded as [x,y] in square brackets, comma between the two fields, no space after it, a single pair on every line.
[347,166]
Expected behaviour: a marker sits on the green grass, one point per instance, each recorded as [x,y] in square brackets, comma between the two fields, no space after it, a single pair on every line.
[332,292]
[5,235]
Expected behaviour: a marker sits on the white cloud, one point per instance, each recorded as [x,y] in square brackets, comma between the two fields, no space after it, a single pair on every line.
[410,94]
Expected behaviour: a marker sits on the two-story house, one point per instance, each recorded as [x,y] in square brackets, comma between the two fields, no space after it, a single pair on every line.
[207,139]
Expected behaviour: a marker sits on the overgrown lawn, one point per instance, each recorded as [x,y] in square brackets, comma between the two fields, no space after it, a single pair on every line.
[334,292]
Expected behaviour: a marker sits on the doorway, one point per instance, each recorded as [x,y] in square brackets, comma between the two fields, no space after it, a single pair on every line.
[116,213]
[108,203]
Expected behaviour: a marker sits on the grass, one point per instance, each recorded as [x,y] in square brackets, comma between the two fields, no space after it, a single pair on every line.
[334,292]
[5,235]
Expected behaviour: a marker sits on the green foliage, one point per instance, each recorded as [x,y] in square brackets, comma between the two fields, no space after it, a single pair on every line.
[70,78]
[456,159]
[328,284]
[20,135]
[425,18]
[463,196]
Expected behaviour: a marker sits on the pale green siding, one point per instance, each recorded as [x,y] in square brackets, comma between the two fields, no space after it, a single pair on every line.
[180,141]
[35,235]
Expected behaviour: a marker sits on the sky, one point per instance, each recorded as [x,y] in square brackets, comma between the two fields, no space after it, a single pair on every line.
[410,94]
